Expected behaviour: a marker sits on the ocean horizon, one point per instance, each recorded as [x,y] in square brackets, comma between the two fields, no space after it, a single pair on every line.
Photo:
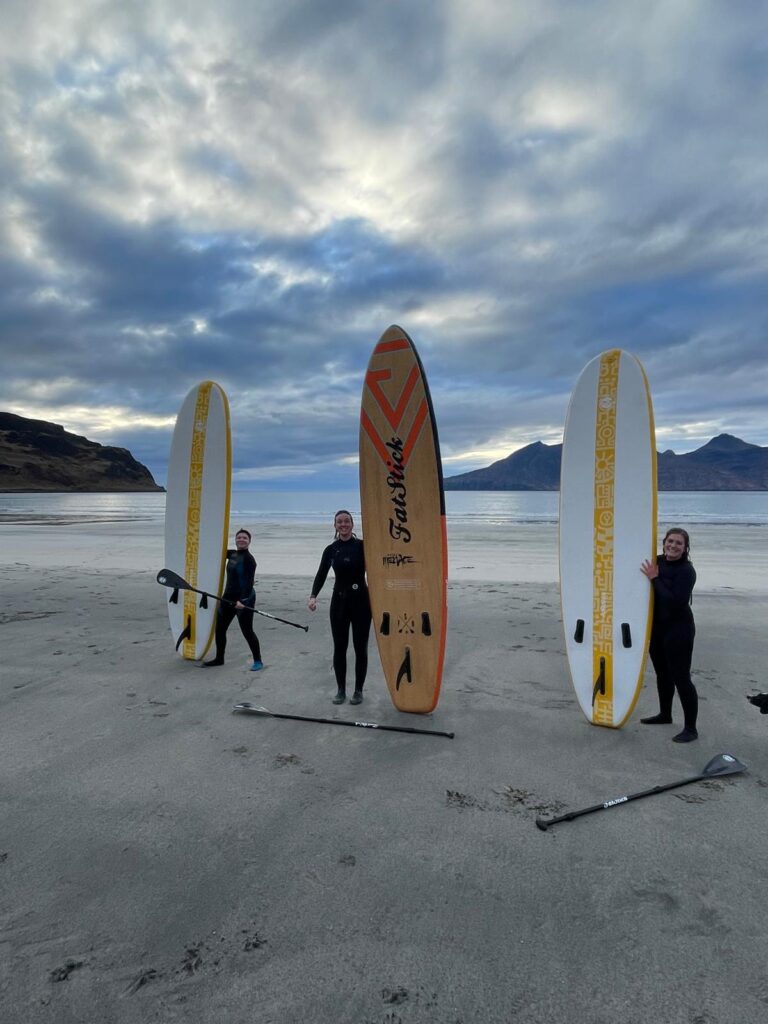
[486,508]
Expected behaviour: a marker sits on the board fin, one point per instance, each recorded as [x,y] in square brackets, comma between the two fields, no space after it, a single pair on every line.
[384,627]
[578,635]
[426,625]
[174,598]
[405,669]
[626,635]
[186,633]
[203,601]
[599,683]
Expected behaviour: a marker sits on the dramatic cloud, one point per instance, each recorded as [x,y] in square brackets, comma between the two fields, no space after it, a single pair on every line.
[251,192]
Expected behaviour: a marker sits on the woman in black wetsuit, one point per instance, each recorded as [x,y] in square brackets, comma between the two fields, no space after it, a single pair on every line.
[238,590]
[349,604]
[673,577]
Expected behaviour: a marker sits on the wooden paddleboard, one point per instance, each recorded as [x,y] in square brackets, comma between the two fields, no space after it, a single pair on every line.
[607,529]
[197,512]
[403,510]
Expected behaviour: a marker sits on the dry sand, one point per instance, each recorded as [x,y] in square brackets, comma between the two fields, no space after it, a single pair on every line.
[162,859]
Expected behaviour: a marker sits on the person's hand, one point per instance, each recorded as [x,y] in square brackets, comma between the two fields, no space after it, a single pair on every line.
[240,606]
[649,569]
[312,604]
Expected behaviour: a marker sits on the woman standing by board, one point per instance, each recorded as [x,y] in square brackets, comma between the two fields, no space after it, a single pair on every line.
[673,578]
[349,604]
[238,600]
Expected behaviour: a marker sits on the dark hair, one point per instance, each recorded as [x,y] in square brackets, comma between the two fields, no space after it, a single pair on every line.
[343,512]
[684,534]
[246,532]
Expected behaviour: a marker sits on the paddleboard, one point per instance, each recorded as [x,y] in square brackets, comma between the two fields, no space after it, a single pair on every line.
[607,529]
[403,511]
[197,513]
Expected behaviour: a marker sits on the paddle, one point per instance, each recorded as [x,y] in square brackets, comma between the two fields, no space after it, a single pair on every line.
[722,764]
[168,578]
[250,709]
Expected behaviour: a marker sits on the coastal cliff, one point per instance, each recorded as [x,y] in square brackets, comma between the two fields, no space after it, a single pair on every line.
[40,456]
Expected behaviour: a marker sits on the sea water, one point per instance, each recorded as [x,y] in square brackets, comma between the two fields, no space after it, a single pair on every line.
[463,508]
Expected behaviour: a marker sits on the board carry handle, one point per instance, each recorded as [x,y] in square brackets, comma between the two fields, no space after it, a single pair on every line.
[426,626]
[626,635]
[578,635]
[384,627]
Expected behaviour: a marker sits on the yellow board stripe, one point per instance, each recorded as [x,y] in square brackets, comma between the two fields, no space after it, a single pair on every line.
[602,566]
[194,501]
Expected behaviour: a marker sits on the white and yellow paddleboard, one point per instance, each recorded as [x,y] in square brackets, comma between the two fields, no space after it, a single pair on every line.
[197,512]
[607,529]
[403,510]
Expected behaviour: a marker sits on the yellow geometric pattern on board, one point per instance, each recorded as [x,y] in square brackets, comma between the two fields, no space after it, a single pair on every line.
[602,566]
[194,502]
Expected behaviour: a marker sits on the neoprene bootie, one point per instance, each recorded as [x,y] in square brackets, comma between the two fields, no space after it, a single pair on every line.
[686,736]
[656,720]
[357,697]
[213,663]
[339,698]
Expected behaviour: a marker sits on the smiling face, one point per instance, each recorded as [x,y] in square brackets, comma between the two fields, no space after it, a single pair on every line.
[674,546]
[242,540]
[343,525]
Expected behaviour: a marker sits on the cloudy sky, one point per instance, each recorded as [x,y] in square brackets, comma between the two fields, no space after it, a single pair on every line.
[252,191]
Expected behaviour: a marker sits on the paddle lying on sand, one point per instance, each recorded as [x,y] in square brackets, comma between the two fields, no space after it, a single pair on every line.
[251,709]
[722,764]
[168,578]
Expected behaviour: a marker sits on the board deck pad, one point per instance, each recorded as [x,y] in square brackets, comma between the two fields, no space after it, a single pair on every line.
[404,531]
[197,513]
[608,508]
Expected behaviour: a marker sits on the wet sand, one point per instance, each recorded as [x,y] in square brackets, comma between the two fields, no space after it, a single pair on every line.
[163,859]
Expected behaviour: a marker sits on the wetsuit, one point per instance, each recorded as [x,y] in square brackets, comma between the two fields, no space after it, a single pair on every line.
[241,570]
[672,636]
[349,606]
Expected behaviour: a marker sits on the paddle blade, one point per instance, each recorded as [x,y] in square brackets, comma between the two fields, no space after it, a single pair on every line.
[252,709]
[724,764]
[169,578]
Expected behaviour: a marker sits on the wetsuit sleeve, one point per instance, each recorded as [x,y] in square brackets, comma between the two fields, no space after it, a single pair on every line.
[673,592]
[322,572]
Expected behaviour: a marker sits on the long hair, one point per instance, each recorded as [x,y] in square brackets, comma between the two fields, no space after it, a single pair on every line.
[684,534]
[342,512]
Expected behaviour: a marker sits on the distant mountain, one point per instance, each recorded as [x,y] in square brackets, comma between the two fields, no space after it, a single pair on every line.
[723,464]
[40,456]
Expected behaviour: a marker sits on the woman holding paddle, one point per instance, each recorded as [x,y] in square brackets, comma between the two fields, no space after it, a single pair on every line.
[673,578]
[349,604]
[238,600]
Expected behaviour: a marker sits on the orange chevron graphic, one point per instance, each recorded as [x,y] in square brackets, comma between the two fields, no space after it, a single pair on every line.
[384,454]
[394,413]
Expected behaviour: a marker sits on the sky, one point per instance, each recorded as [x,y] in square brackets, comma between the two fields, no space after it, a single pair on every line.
[252,192]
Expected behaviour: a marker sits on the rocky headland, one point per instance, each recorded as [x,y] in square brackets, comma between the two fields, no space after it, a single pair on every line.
[40,456]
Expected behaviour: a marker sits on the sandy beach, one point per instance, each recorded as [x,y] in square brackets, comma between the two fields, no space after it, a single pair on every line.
[162,859]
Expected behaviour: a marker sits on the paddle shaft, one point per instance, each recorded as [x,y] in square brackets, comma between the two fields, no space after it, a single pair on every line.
[607,804]
[339,721]
[177,583]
